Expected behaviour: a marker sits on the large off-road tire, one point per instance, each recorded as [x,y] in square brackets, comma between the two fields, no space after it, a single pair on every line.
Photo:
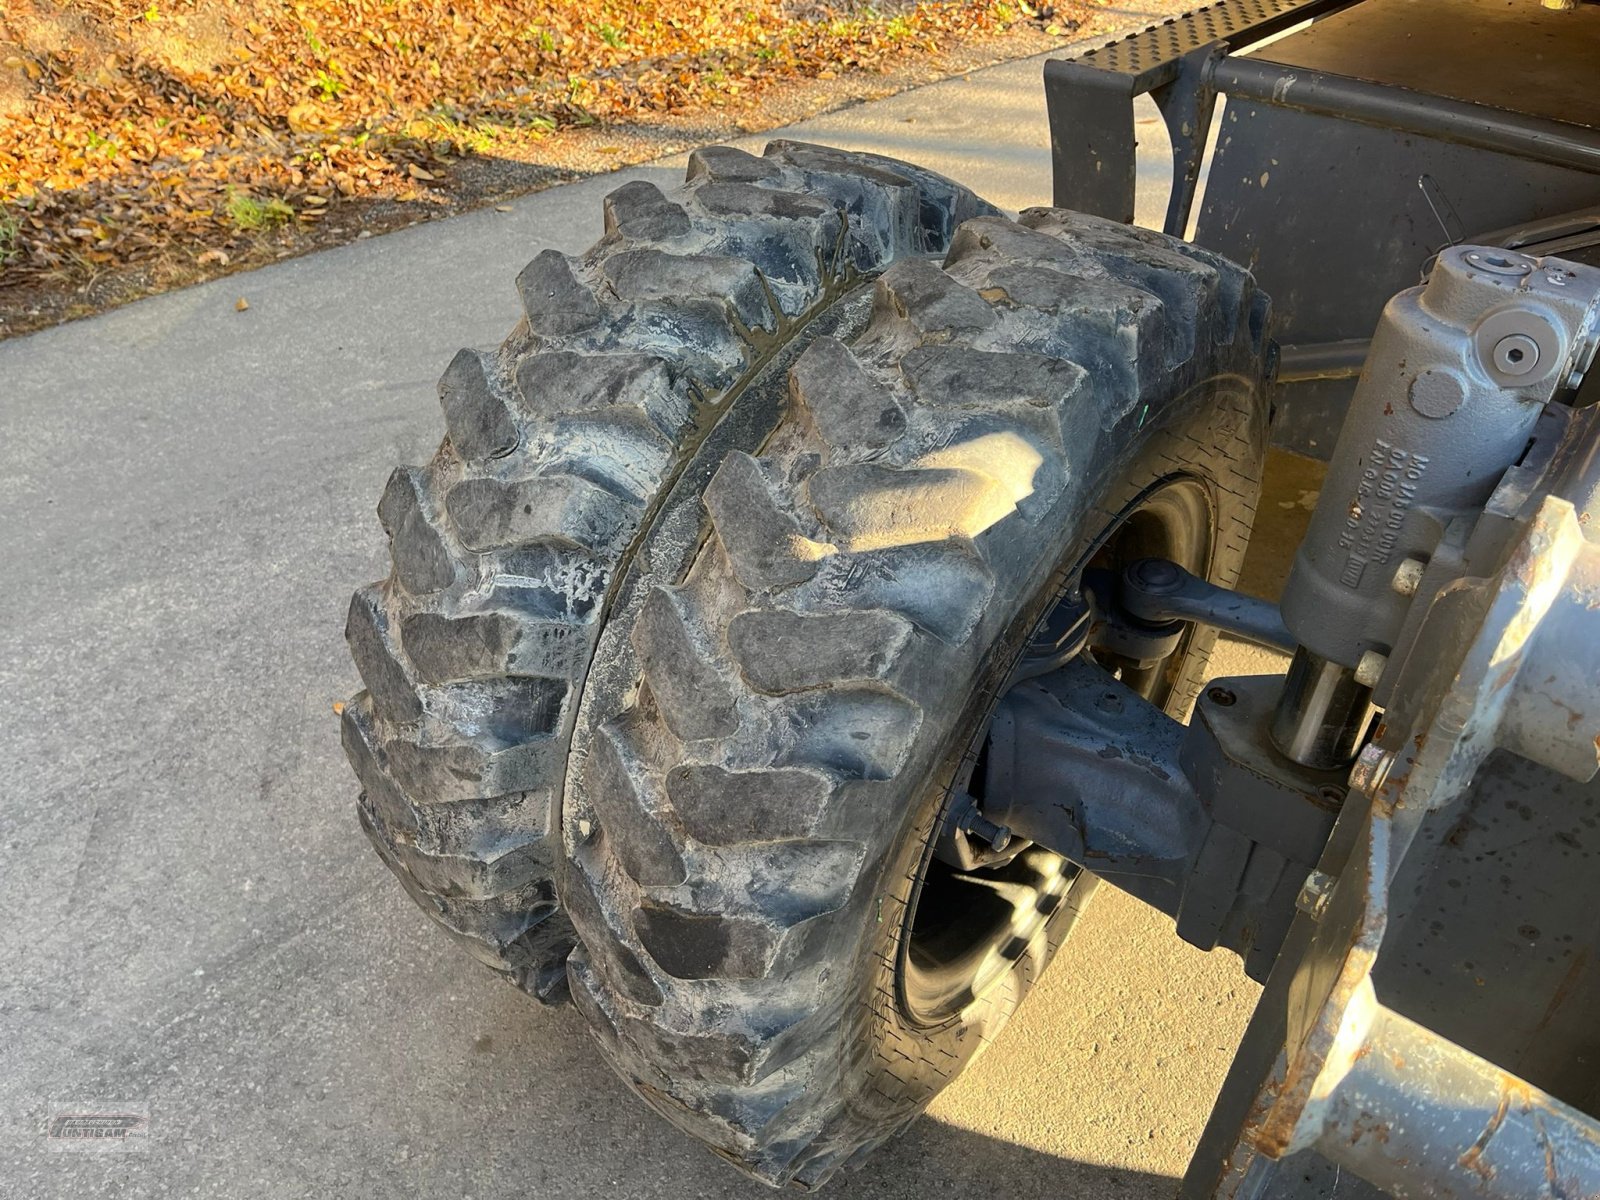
[506,546]
[809,645]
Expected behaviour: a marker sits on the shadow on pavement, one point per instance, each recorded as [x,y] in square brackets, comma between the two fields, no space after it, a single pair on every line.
[935,1158]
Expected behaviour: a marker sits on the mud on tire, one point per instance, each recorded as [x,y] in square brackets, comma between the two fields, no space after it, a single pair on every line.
[788,682]
[505,547]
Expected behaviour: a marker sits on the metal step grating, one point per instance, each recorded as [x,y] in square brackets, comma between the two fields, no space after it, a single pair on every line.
[1153,50]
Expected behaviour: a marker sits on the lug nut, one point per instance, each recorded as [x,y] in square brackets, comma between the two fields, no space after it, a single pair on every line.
[998,837]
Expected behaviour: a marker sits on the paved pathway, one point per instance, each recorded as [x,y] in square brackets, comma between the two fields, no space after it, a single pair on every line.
[193,921]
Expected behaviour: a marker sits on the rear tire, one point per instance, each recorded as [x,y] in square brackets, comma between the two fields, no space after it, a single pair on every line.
[791,680]
[506,547]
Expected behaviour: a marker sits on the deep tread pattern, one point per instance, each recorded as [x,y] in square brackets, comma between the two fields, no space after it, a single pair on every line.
[553,299]
[718,807]
[780,651]
[422,559]
[505,547]
[763,542]
[787,731]
[477,413]
[635,810]
[849,407]
[696,700]
[868,506]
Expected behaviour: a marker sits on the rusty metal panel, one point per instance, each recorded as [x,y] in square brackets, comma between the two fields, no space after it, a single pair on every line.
[1431,1036]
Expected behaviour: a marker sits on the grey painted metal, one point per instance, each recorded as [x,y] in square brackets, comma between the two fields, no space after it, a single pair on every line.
[1157,590]
[1084,765]
[1517,57]
[1271,819]
[1551,710]
[1187,106]
[1566,235]
[1150,56]
[1429,1026]
[1393,1094]
[1457,376]
[1332,253]
[1452,922]
[1206,822]
[1332,245]
[1092,147]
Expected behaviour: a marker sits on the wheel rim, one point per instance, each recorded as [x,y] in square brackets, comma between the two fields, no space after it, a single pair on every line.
[965,931]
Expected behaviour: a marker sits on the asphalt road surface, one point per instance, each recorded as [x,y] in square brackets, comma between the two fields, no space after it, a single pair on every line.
[192,921]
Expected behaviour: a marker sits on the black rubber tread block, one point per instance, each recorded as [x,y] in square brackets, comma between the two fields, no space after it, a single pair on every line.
[564,381]
[727,164]
[1140,250]
[554,300]
[422,560]
[945,204]
[445,649]
[867,506]
[764,543]
[1114,329]
[931,301]
[779,883]
[504,931]
[744,1053]
[716,806]
[640,211]
[368,632]
[362,747]
[477,412]
[848,406]
[941,588]
[636,815]
[960,376]
[478,874]
[695,699]
[490,514]
[781,651]
[620,965]
[851,732]
[690,945]
[650,274]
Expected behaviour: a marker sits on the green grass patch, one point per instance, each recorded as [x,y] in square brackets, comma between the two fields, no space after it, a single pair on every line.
[250,214]
[10,235]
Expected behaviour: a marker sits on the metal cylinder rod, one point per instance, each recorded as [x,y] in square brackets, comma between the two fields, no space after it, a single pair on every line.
[1323,712]
[1322,360]
[1412,112]
[1418,1115]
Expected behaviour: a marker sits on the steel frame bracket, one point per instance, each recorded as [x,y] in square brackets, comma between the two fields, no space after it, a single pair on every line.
[1207,822]
[1090,101]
